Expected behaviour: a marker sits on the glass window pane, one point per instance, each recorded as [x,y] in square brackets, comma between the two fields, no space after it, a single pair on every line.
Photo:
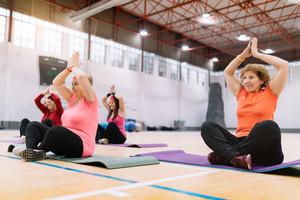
[148,63]
[97,49]
[2,28]
[117,57]
[52,41]
[162,67]
[24,33]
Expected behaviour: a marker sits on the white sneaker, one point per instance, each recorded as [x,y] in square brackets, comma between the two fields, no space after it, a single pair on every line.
[103,141]
[18,149]
[22,139]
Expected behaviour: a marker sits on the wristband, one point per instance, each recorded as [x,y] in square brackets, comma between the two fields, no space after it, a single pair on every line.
[108,94]
[240,59]
[70,68]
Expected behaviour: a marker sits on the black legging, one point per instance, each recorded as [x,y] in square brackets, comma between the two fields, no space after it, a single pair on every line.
[263,142]
[112,133]
[57,139]
[25,122]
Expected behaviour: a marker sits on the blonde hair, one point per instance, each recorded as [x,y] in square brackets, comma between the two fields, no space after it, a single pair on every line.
[260,70]
[90,78]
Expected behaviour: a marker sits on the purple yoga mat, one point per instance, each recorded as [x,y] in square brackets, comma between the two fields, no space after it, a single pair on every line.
[12,141]
[179,156]
[138,145]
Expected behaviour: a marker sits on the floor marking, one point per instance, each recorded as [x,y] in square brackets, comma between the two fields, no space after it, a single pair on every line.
[115,191]
[131,186]
[188,167]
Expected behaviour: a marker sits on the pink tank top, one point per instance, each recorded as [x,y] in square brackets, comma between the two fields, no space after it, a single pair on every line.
[120,122]
[82,119]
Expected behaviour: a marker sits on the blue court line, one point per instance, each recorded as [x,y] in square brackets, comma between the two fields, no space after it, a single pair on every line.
[120,179]
[185,192]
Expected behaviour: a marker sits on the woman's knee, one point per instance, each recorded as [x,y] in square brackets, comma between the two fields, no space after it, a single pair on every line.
[111,125]
[269,127]
[55,131]
[206,126]
[25,121]
[33,124]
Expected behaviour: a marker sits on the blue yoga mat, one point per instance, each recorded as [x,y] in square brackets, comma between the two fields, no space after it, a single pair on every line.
[179,156]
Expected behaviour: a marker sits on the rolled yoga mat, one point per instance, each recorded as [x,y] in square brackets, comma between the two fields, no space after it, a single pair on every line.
[108,162]
[138,145]
[179,156]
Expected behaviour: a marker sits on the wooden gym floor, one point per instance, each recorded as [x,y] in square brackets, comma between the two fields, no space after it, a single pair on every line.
[51,179]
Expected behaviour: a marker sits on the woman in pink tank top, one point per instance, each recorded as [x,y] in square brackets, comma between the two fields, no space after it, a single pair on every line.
[115,131]
[76,136]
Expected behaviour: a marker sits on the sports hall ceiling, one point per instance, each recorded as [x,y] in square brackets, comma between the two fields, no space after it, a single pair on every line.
[276,24]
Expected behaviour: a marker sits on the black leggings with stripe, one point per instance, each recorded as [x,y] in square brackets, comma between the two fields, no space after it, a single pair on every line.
[57,139]
[263,142]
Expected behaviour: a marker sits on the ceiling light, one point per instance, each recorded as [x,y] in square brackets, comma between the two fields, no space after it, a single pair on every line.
[243,38]
[143,33]
[96,8]
[268,51]
[215,59]
[185,47]
[205,15]
[207,20]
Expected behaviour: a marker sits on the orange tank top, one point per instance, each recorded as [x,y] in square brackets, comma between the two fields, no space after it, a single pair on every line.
[253,108]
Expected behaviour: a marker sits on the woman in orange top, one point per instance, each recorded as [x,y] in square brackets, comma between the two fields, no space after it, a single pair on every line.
[258,137]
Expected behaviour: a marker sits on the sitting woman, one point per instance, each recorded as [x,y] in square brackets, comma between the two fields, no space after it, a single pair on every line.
[52,111]
[115,131]
[258,137]
[76,136]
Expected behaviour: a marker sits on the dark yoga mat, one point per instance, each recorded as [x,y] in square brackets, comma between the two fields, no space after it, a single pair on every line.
[138,145]
[108,162]
[179,156]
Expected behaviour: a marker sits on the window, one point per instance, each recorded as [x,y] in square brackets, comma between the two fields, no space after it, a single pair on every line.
[2,28]
[173,69]
[148,63]
[24,32]
[97,49]
[204,78]
[194,77]
[134,58]
[184,73]
[77,43]
[52,40]
[3,14]
[117,57]
[162,67]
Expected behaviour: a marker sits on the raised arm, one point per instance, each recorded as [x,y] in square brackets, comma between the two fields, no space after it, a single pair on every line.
[104,101]
[232,81]
[58,83]
[57,102]
[85,85]
[120,98]
[38,103]
[279,78]
[121,104]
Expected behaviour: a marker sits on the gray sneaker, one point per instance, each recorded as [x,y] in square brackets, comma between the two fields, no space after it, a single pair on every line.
[32,155]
